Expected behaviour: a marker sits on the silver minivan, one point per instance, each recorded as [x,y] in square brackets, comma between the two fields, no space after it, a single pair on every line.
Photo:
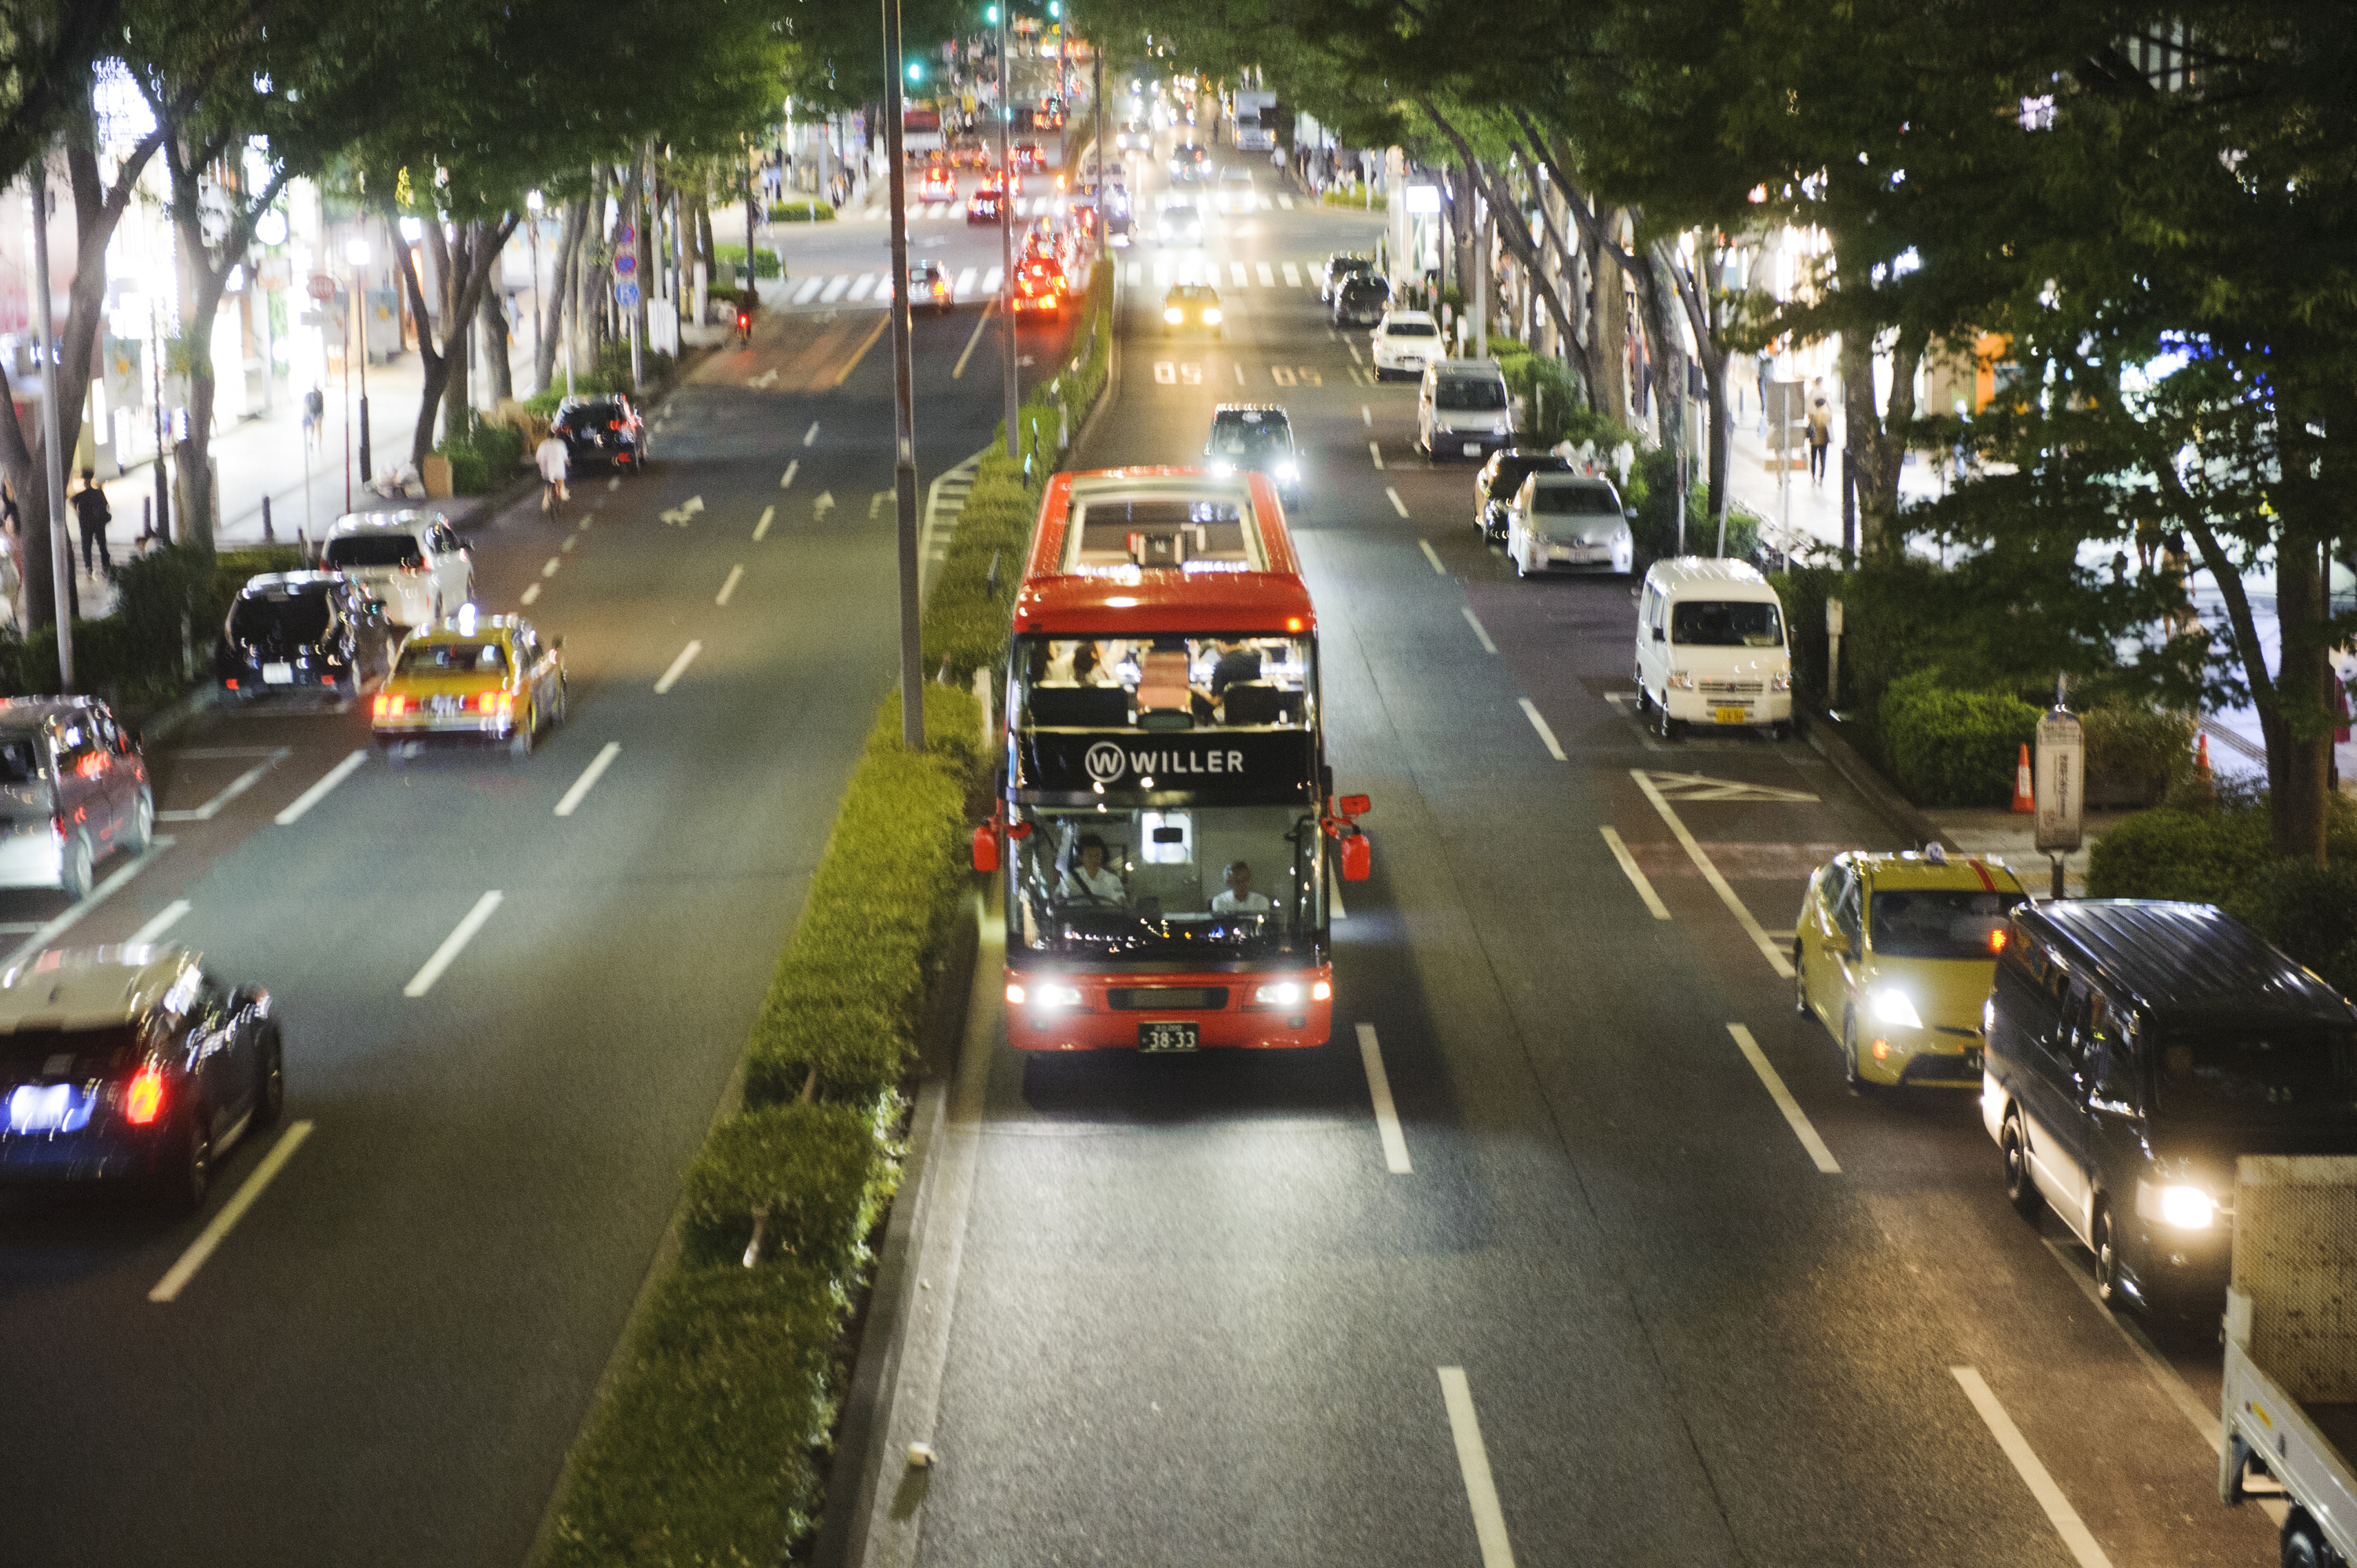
[1463,410]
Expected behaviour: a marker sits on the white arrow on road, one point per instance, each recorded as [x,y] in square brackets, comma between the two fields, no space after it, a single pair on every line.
[679,514]
[825,504]
[875,504]
[767,378]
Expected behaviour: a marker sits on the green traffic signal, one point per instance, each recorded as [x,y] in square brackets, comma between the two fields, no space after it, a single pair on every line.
[916,71]
[990,14]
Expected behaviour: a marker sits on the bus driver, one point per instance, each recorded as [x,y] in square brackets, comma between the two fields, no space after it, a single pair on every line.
[1091,881]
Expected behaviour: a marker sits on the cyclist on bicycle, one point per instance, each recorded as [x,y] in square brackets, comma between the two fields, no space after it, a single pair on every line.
[553,461]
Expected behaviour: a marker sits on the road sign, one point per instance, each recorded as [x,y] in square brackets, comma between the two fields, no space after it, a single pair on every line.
[2061,780]
[626,294]
[625,264]
[626,238]
[323,287]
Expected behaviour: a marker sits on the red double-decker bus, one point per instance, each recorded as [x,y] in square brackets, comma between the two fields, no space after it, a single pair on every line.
[1168,828]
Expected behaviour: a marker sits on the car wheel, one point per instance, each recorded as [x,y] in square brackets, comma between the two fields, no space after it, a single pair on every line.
[1644,701]
[561,696]
[270,1090]
[1800,981]
[190,1176]
[1850,1075]
[1665,726]
[75,875]
[2021,1186]
[143,824]
[2107,1256]
[526,731]
[2303,1542]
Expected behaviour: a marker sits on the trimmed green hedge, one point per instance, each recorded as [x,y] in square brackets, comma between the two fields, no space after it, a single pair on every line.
[1355,197]
[730,257]
[802,210]
[1953,748]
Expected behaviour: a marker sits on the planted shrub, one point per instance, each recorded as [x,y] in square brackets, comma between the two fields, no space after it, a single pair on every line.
[2204,858]
[858,1052]
[816,1171]
[1948,747]
[2135,755]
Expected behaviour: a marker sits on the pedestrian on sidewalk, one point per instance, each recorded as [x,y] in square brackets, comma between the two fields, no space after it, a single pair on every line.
[90,505]
[10,517]
[553,461]
[2148,538]
[314,416]
[1821,436]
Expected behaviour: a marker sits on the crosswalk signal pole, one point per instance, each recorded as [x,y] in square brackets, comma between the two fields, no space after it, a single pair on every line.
[904,402]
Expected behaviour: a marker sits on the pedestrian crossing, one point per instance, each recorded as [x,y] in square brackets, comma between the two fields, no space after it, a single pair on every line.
[973,285]
[1054,202]
[822,289]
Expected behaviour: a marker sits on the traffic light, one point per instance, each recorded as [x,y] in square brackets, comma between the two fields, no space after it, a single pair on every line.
[915,71]
[1056,9]
[990,15]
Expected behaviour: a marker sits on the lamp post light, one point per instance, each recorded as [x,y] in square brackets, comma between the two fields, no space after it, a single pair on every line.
[356,251]
[536,202]
[904,417]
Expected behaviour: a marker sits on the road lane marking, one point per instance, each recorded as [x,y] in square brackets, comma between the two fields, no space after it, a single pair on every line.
[589,777]
[51,930]
[761,528]
[1354,351]
[1387,1121]
[1267,275]
[318,792]
[1538,722]
[980,322]
[1239,369]
[531,594]
[1432,555]
[787,482]
[553,563]
[452,945]
[1377,454]
[169,1287]
[238,786]
[1760,939]
[1473,1459]
[678,667]
[736,576]
[1398,505]
[154,930]
[2059,1511]
[1366,416]
[1480,630]
[1636,874]
[2164,1376]
[810,436]
[861,352]
[1802,1128]
[614,484]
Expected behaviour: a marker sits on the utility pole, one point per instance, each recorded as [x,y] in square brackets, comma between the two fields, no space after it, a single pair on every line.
[904,394]
[356,250]
[1006,230]
[60,549]
[535,203]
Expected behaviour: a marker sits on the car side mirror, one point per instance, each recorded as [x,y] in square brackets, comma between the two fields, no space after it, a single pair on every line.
[986,847]
[1658,636]
[1358,857]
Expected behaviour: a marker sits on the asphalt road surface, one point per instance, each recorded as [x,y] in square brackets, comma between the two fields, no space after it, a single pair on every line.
[1623,1305]
[386,1353]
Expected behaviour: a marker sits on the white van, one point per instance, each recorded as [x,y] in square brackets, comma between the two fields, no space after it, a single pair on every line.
[1711,647]
[1463,410]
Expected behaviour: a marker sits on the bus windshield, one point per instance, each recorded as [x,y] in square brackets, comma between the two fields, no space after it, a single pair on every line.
[1208,884]
[1165,683]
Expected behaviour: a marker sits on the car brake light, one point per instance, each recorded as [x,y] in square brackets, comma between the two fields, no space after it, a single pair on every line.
[143,1099]
[613,425]
[389,706]
[232,685]
[496,702]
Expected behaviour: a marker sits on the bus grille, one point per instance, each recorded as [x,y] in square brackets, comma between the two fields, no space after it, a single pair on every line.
[1168,998]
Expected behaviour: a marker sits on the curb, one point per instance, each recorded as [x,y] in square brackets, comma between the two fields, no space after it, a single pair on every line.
[159,727]
[1903,818]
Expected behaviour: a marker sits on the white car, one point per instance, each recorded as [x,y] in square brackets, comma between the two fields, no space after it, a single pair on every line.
[1234,192]
[1567,522]
[1463,409]
[1403,342]
[1711,648]
[411,561]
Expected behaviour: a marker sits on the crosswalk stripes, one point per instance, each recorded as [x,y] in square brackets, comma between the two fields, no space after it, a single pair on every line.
[859,290]
[809,291]
[963,289]
[1160,270]
[1291,278]
[1267,278]
[992,279]
[1238,268]
[835,286]
[1285,202]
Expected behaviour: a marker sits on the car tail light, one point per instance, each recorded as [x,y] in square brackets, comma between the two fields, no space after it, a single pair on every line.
[389,706]
[143,1097]
[232,685]
[496,703]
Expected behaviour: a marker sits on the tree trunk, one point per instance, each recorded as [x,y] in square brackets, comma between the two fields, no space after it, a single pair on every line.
[495,347]
[465,271]
[457,323]
[1608,333]
[557,319]
[2296,722]
[1879,440]
[638,209]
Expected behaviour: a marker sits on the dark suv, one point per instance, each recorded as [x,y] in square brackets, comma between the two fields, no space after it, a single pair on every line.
[1361,299]
[1256,437]
[604,431]
[73,790]
[313,634]
[1501,476]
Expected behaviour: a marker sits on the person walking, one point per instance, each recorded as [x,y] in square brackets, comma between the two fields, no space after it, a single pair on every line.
[554,462]
[314,416]
[89,505]
[1820,436]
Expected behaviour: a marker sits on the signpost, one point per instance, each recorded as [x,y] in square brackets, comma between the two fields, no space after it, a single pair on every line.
[1833,653]
[2062,786]
[626,284]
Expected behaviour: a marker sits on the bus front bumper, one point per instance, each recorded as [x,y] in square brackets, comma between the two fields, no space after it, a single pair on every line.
[1066,1011]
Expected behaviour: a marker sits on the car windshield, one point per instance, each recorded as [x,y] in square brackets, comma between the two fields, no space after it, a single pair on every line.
[1932,922]
[1478,394]
[20,760]
[454,659]
[1577,501]
[1410,329]
[293,617]
[1720,623]
[364,550]
[1164,683]
[1251,439]
[2293,1071]
[590,415]
[1511,474]
[1210,883]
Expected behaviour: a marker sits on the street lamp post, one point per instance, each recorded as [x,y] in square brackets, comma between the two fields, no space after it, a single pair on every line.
[356,251]
[1006,230]
[904,398]
[53,432]
[535,201]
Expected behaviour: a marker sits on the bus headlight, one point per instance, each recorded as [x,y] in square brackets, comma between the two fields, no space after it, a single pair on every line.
[1283,993]
[1288,470]
[1892,1007]
[1211,316]
[1052,995]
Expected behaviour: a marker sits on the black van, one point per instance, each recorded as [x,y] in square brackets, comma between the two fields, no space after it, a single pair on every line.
[2133,1050]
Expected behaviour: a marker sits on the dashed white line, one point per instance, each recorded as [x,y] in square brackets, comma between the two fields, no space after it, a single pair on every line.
[1366,416]
[570,540]
[1799,1118]
[1480,630]
[318,792]
[736,576]
[1538,722]
[761,528]
[589,777]
[553,563]
[1354,351]
[1473,1459]
[1432,555]
[154,930]
[531,596]
[1768,946]
[238,786]
[1376,453]
[169,1287]
[1398,505]
[1240,373]
[810,436]
[1636,874]
[453,945]
[789,479]
[614,484]
[49,931]
[2065,1517]
[678,667]
[1379,1086]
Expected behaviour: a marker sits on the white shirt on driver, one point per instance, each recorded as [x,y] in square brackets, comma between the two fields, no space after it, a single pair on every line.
[1225,902]
[1079,881]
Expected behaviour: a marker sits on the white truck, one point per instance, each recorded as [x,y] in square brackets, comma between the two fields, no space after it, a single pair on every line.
[2290,1399]
[1255,122]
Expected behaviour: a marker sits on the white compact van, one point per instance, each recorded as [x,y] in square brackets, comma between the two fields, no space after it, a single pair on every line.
[1711,647]
[1463,410]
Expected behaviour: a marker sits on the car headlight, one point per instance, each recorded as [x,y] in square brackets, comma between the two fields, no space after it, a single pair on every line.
[1211,316]
[1288,470]
[1781,681]
[1678,681]
[1174,316]
[2186,1207]
[1893,1008]
[1284,994]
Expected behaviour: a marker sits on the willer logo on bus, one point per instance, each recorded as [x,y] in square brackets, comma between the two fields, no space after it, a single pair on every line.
[1107,761]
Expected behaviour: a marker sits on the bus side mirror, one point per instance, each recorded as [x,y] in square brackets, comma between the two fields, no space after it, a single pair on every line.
[1354,805]
[1358,857]
[986,847]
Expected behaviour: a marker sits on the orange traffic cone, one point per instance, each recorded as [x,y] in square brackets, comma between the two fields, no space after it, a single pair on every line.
[2024,800]
[2201,754]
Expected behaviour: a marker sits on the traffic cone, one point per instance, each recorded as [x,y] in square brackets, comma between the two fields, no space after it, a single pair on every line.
[2201,754]
[2024,800]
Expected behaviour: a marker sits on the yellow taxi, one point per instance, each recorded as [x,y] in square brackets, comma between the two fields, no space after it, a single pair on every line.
[478,676]
[1895,955]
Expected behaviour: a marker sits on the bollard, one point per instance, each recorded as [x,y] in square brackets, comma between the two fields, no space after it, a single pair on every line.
[268,537]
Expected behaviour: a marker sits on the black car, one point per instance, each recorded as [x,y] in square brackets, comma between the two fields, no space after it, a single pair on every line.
[1501,476]
[929,288]
[1361,300]
[1256,437]
[601,431]
[1341,265]
[2132,1051]
[131,1063]
[316,634]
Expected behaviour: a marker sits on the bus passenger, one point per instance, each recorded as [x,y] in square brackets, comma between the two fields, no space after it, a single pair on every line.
[1238,898]
[1238,662]
[1091,881]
